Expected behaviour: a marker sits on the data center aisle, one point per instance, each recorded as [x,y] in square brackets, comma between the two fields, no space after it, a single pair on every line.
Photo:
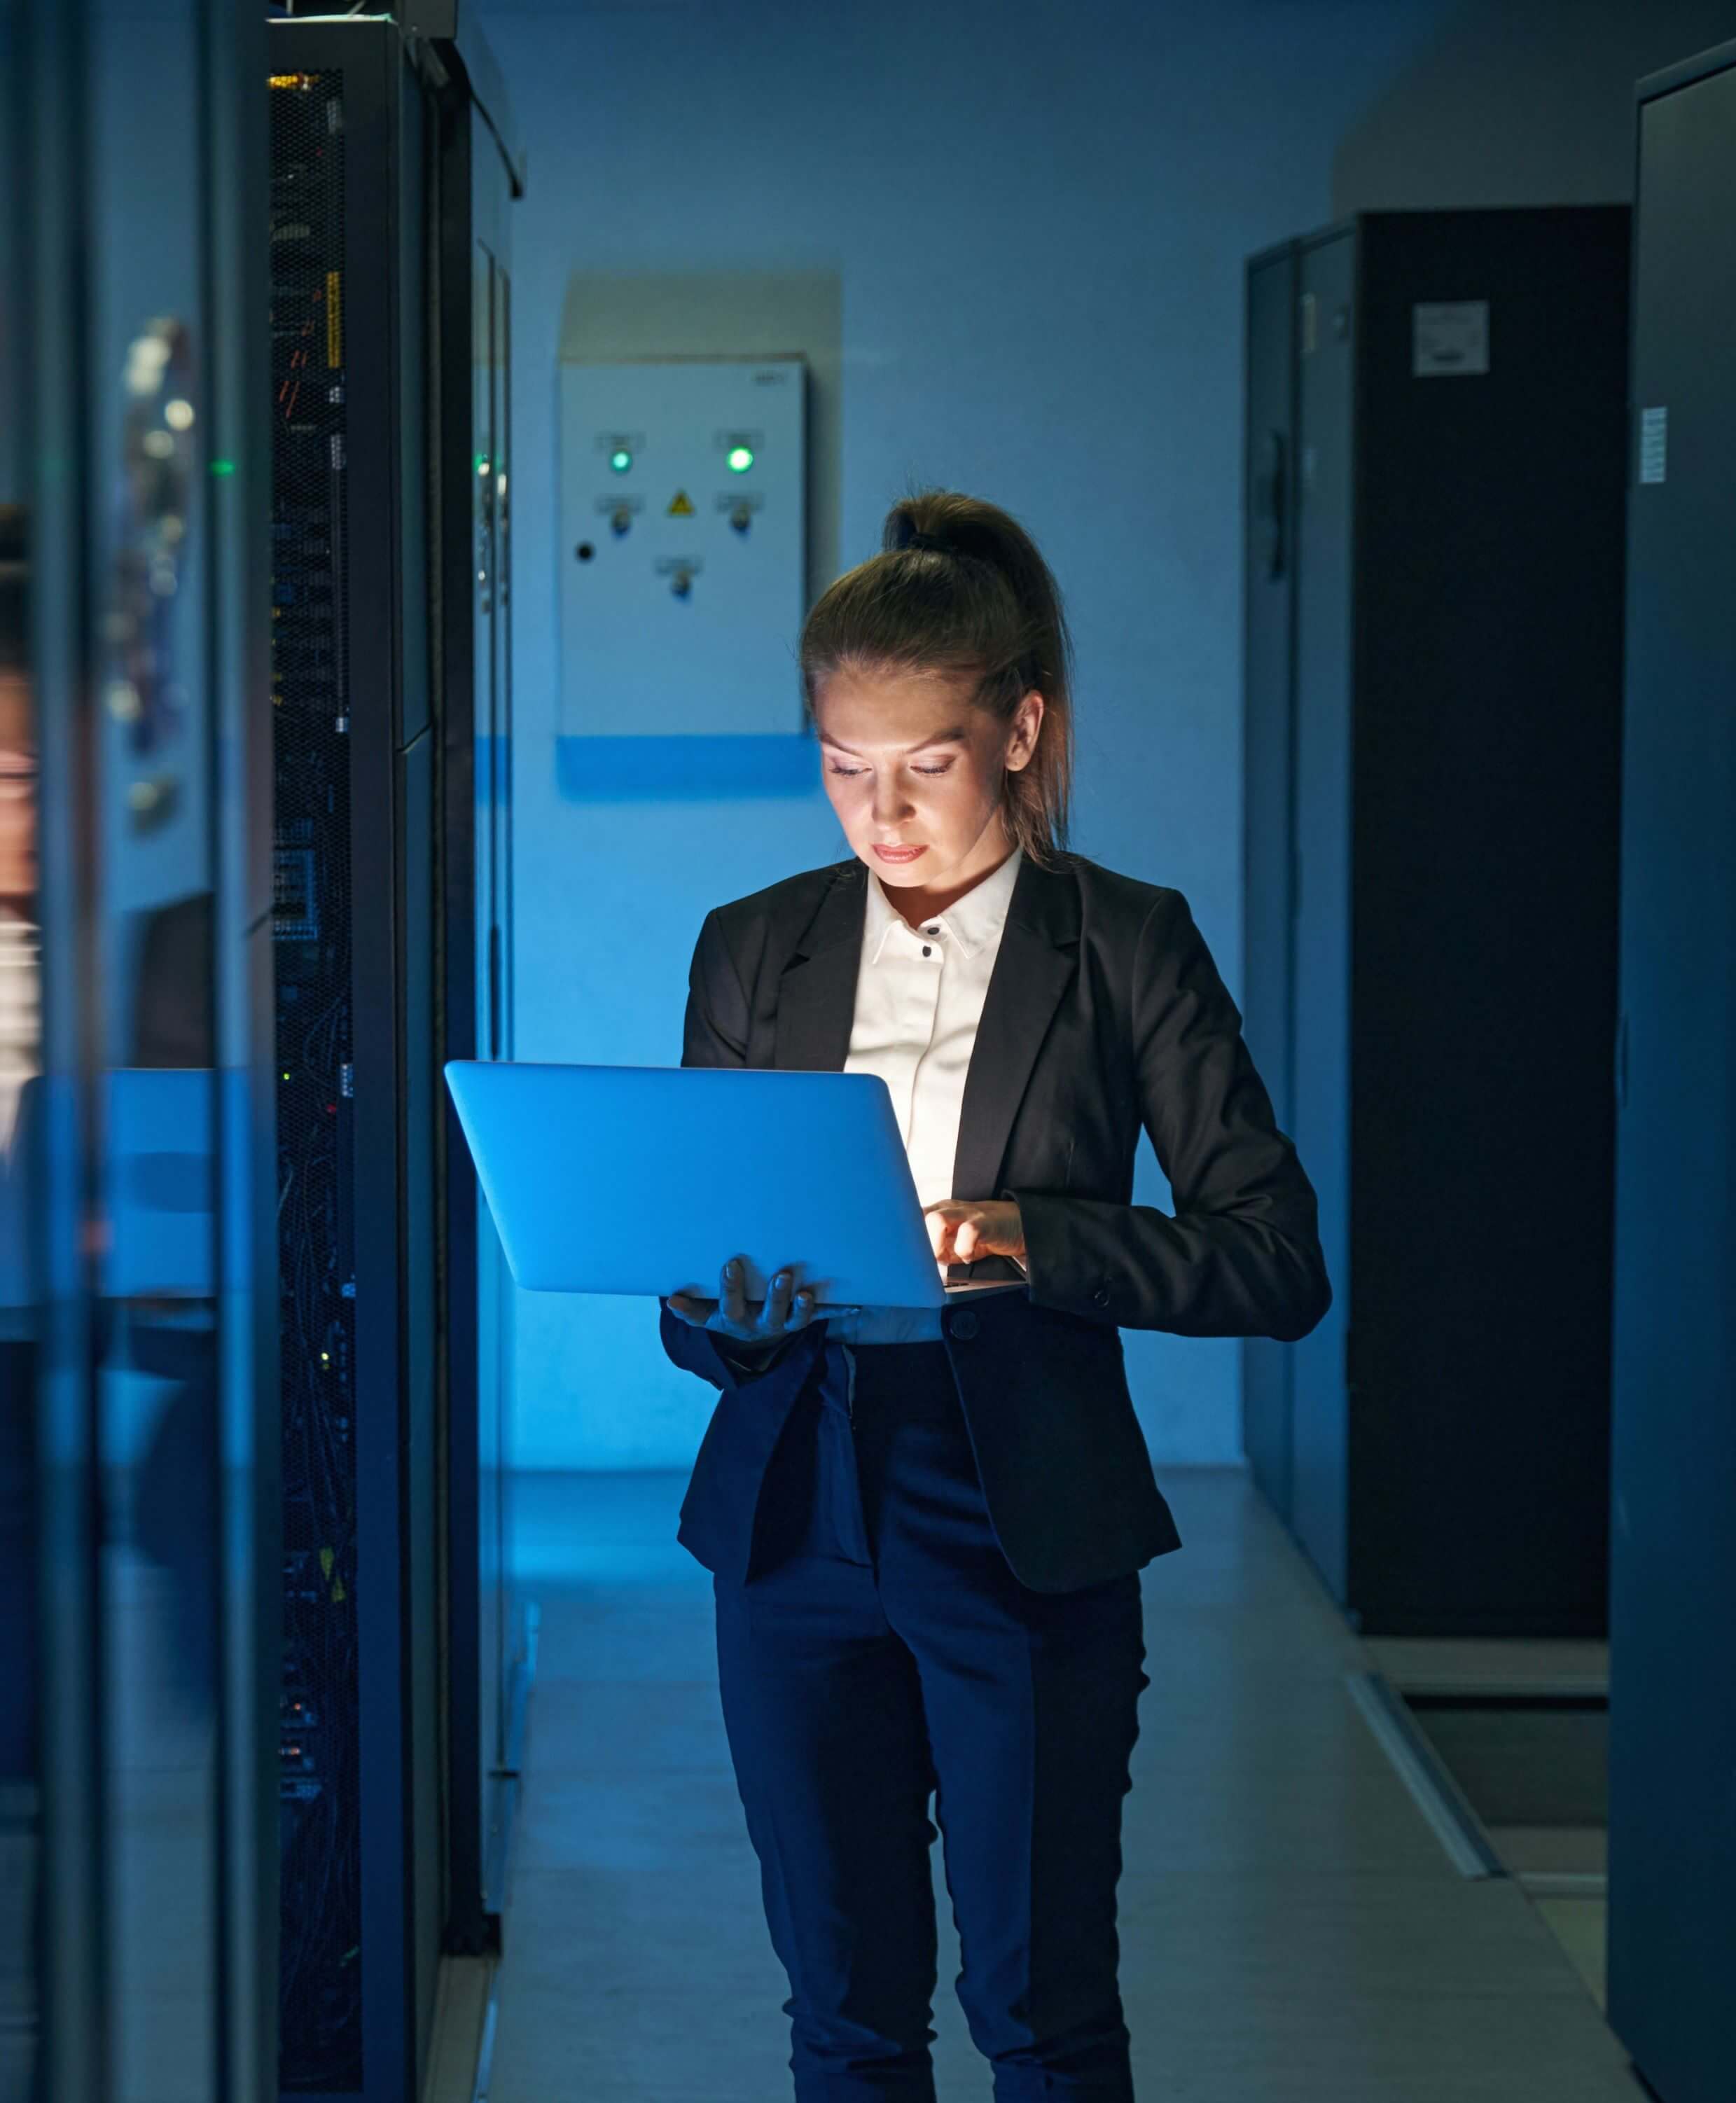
[1292,1929]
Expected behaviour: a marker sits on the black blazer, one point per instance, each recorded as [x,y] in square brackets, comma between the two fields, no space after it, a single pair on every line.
[1104,1011]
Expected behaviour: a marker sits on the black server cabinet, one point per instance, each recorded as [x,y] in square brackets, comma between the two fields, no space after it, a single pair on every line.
[1434,573]
[1269,601]
[1672,1599]
[354,954]
[374,140]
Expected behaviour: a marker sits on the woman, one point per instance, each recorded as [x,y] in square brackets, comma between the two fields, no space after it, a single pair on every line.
[926,1527]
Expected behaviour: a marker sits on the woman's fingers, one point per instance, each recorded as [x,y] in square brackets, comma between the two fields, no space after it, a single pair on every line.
[691,1308]
[786,1306]
[960,1230]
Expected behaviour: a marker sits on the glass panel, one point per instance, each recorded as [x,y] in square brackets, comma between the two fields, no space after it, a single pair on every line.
[19,1058]
[489,1544]
[20,1047]
[152,1111]
[109,1860]
[503,648]
[511,1636]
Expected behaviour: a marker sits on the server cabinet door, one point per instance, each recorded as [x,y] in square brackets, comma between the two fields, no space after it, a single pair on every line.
[1268,588]
[138,1758]
[475,192]
[1320,1082]
[153,891]
[1671,1935]
[494,858]
[1488,671]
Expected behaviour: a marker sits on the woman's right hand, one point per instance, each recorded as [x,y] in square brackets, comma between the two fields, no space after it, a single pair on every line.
[785,1308]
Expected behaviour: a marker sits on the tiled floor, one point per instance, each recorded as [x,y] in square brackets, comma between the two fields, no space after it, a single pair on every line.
[1550,1860]
[1291,1929]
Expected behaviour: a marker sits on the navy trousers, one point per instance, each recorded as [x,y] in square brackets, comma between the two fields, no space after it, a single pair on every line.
[888,1652]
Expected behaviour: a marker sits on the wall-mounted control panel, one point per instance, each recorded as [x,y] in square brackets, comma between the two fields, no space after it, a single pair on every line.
[682,484]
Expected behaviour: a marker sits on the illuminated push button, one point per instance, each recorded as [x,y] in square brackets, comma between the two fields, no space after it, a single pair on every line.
[620,460]
[739,459]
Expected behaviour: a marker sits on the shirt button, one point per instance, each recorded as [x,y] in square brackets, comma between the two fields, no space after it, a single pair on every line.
[962,1322]
[1101,1295]
[926,951]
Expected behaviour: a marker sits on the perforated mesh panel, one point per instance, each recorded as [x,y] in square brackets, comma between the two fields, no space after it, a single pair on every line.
[320,1963]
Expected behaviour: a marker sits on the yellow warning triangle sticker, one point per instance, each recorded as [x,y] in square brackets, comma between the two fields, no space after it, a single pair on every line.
[682,507]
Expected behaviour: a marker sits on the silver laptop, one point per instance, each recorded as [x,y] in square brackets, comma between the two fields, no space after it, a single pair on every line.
[646,1179]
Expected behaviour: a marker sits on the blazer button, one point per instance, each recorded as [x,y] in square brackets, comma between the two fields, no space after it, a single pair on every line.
[1101,1295]
[962,1322]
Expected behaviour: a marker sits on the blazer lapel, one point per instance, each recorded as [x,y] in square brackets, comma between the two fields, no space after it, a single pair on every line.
[1035,963]
[817,993]
[1039,949]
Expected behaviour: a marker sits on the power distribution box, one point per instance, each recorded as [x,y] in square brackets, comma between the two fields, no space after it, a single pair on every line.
[682,486]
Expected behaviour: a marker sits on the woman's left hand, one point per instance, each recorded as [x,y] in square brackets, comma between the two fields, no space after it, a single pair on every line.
[963,1229]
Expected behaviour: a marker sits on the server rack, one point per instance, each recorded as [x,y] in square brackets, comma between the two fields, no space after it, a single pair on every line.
[379,154]
[1433,709]
[350,725]
[1673,1594]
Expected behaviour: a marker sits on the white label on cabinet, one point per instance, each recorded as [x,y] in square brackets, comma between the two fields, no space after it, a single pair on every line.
[1449,336]
[1654,438]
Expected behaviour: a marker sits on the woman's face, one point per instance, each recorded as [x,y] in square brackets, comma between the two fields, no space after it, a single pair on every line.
[912,765]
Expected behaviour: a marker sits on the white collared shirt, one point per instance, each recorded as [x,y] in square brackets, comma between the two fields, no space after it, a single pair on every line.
[919,996]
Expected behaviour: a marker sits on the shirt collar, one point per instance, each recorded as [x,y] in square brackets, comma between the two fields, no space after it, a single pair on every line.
[969,921]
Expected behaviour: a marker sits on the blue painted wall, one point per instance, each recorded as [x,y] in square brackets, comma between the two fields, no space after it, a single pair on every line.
[1038,216]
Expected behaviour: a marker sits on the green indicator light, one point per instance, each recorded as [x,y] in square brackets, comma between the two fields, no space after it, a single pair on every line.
[741,458]
[223,467]
[620,460]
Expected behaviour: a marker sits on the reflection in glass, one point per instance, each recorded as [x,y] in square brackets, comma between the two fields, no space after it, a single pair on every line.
[155,1333]
[20,1044]
[112,1580]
